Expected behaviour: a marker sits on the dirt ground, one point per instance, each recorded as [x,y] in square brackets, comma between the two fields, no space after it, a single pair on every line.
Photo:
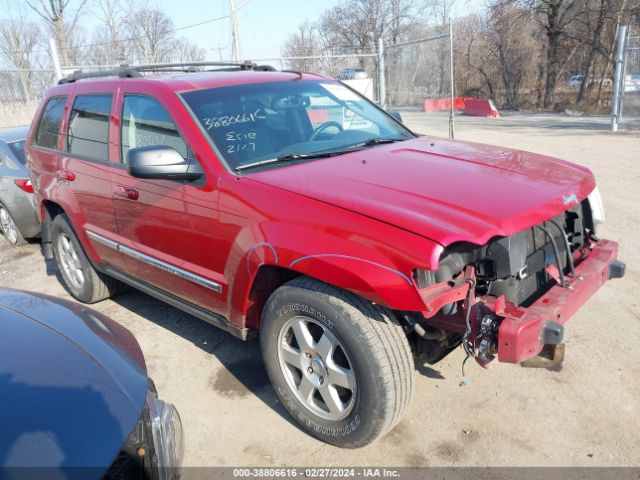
[587,414]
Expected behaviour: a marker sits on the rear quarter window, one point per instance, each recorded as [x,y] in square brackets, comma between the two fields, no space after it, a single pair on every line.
[17,148]
[88,132]
[49,126]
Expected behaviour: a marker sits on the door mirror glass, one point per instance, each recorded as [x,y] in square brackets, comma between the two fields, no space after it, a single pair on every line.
[161,162]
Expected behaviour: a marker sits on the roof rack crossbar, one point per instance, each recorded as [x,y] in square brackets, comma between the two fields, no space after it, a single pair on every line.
[122,72]
[133,71]
[155,66]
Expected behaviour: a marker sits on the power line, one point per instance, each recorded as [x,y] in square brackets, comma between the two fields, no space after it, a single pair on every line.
[173,30]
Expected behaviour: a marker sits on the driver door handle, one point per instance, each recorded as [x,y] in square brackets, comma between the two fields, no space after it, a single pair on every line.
[63,174]
[126,192]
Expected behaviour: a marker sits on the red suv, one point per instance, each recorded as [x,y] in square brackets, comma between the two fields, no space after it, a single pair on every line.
[286,205]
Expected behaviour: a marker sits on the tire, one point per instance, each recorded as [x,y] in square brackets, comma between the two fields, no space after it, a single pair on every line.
[367,376]
[81,280]
[9,229]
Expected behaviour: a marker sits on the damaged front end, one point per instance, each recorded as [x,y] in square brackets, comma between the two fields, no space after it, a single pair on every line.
[511,297]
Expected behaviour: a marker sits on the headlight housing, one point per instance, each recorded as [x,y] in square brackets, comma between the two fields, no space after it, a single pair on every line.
[166,429]
[597,208]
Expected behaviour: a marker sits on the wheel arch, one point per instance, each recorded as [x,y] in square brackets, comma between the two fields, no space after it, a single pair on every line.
[369,264]
[48,211]
[387,287]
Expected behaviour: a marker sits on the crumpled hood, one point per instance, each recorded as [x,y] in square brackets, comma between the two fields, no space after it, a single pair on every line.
[447,191]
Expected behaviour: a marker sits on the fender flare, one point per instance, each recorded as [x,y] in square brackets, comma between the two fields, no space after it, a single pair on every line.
[362,270]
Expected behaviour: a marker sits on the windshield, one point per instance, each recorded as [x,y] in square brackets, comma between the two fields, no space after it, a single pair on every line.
[256,122]
[17,148]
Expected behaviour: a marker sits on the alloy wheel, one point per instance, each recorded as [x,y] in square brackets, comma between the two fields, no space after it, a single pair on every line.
[8,226]
[69,261]
[317,368]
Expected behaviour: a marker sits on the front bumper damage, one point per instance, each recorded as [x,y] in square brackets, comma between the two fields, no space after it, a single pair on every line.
[529,335]
[523,331]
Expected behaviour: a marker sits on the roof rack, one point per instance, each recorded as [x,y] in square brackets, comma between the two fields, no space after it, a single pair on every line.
[134,71]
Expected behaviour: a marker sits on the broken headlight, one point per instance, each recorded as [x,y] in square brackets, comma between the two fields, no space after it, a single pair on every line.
[597,208]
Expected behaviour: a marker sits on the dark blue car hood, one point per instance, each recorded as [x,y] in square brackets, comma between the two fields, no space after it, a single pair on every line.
[72,384]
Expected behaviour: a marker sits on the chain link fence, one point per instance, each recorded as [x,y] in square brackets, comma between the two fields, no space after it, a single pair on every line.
[625,112]
[20,93]
[359,70]
[630,107]
[413,71]
[418,70]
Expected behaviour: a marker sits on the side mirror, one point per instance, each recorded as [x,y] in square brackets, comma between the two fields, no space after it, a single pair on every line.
[161,162]
[396,114]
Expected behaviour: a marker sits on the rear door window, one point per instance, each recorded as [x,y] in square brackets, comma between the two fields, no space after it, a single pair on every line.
[88,132]
[145,122]
[49,126]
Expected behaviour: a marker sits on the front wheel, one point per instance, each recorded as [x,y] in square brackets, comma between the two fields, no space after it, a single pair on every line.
[341,366]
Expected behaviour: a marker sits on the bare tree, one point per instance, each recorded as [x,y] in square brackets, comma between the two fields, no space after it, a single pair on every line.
[61,20]
[474,66]
[438,11]
[186,51]
[511,39]
[359,24]
[555,17]
[305,42]
[108,39]
[517,52]
[150,32]
[18,37]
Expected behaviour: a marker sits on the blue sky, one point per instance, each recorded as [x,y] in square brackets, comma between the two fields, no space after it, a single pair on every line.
[263,24]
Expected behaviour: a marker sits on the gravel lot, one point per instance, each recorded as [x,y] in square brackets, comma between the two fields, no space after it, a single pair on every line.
[586,414]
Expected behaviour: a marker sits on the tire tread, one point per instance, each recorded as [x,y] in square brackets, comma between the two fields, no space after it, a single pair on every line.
[102,286]
[385,339]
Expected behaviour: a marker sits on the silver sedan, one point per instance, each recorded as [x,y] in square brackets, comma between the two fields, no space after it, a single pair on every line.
[18,217]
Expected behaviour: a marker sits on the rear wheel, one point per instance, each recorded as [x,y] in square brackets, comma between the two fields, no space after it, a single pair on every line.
[341,366]
[82,281]
[10,229]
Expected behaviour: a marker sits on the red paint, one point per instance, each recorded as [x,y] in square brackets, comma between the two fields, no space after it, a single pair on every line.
[519,336]
[126,192]
[362,226]
[63,174]
[443,104]
[480,107]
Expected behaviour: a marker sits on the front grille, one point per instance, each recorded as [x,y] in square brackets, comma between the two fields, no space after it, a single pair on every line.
[540,254]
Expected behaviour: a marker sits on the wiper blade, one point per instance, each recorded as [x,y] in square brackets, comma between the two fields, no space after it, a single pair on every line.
[301,156]
[380,141]
[290,157]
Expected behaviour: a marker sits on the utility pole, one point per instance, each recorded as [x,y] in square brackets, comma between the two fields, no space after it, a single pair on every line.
[619,82]
[382,88]
[452,83]
[55,59]
[234,31]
